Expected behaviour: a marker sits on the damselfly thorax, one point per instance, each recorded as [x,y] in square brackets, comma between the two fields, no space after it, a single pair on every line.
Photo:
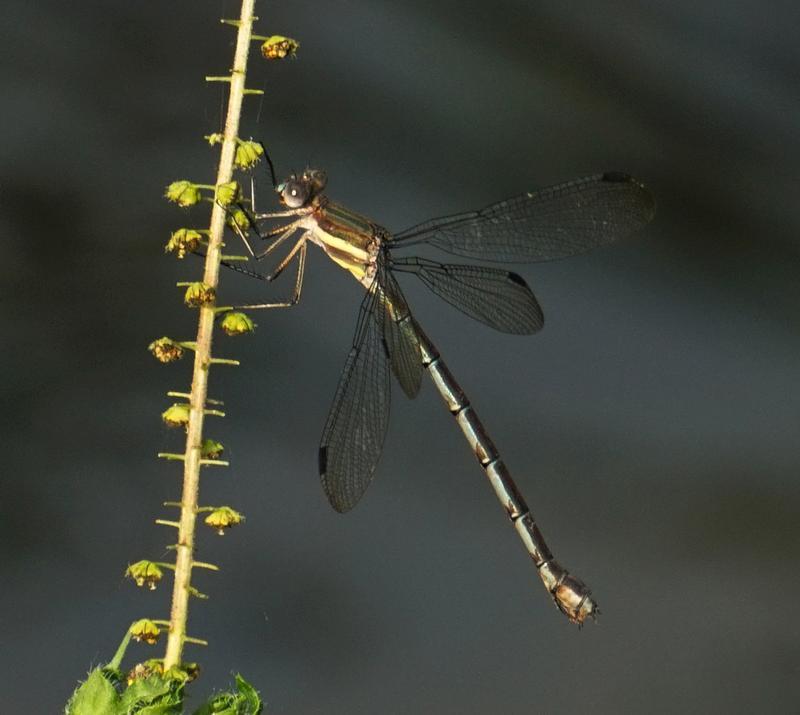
[349,239]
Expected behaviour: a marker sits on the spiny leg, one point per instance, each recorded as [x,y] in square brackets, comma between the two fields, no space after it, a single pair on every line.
[252,217]
[282,214]
[284,231]
[285,262]
[299,248]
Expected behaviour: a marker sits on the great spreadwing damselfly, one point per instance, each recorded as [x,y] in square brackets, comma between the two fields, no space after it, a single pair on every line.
[560,221]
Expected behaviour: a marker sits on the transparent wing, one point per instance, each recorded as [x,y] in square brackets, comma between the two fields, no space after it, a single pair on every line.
[399,334]
[560,221]
[359,416]
[498,298]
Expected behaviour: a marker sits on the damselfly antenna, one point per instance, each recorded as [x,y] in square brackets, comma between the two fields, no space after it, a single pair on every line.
[271,166]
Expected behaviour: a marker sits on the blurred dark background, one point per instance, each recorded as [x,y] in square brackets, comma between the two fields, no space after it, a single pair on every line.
[653,425]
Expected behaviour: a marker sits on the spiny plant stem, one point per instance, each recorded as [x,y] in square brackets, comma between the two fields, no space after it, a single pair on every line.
[184,560]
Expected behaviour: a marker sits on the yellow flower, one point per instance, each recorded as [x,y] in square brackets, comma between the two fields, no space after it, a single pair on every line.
[166,350]
[176,416]
[184,193]
[183,241]
[145,573]
[238,218]
[228,193]
[142,671]
[248,154]
[145,630]
[223,518]
[211,449]
[185,672]
[237,323]
[198,294]
[278,47]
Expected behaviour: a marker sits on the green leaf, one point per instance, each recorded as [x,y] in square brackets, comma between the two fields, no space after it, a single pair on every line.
[244,702]
[145,690]
[218,704]
[160,709]
[153,696]
[249,696]
[96,696]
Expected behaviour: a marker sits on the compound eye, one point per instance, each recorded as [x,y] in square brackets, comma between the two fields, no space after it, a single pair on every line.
[294,194]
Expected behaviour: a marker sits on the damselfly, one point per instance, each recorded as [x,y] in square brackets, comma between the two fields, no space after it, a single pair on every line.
[553,223]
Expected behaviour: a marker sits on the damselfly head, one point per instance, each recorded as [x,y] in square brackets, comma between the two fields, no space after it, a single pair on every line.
[297,191]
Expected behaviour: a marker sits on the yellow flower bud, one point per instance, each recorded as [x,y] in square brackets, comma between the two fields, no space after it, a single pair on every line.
[237,217]
[223,518]
[185,672]
[143,671]
[176,416]
[211,449]
[278,47]
[198,294]
[237,323]
[183,241]
[145,573]
[228,193]
[248,154]
[145,630]
[184,193]
[166,350]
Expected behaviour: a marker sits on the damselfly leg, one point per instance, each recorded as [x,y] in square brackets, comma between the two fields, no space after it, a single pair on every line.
[281,234]
[300,251]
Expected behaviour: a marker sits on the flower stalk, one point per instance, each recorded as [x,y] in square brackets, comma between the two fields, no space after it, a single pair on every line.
[157,684]
[193,456]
